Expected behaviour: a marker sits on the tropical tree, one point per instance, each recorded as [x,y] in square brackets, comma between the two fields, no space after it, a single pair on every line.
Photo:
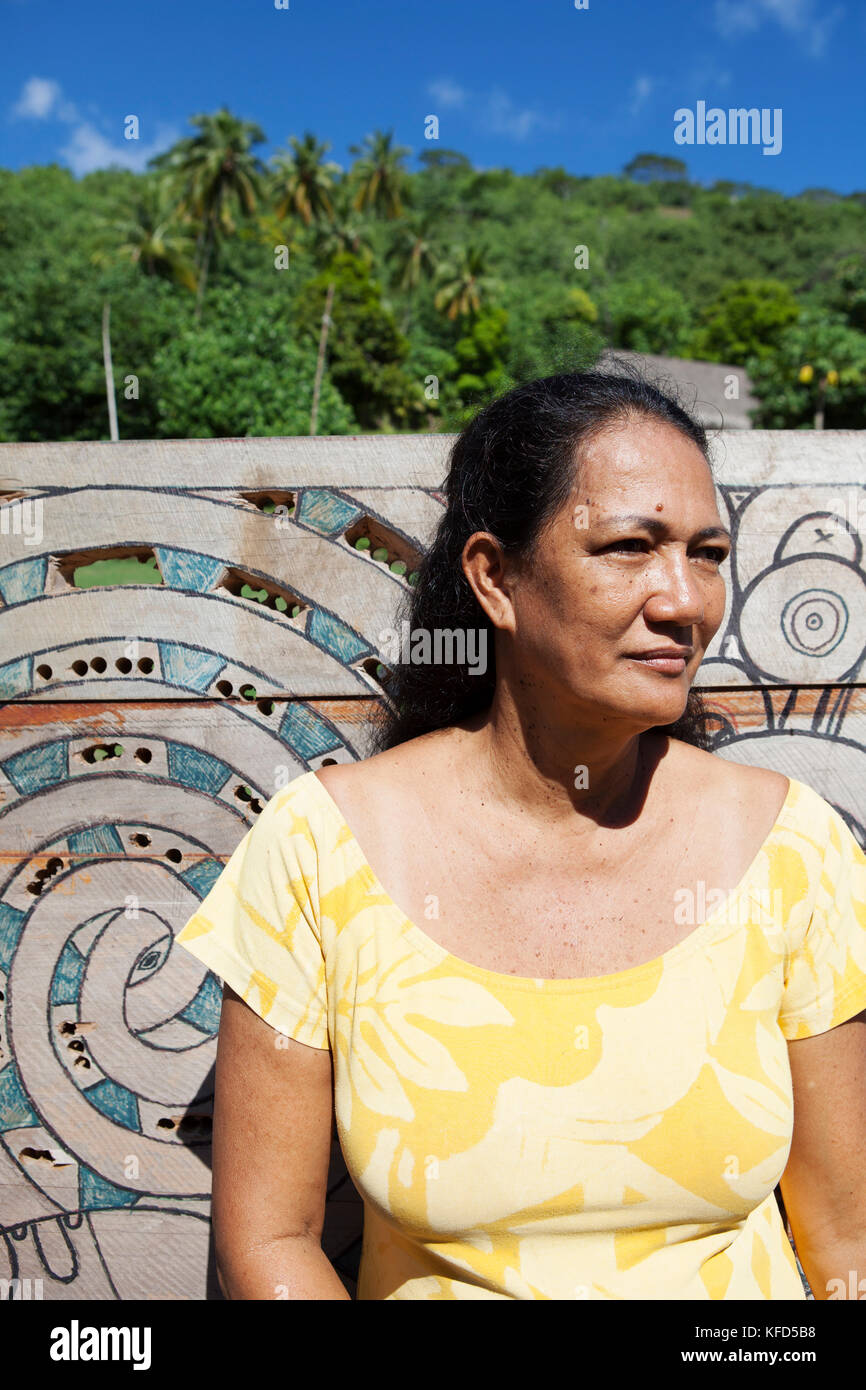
[818,364]
[304,179]
[365,350]
[466,286]
[413,258]
[745,319]
[378,175]
[152,236]
[217,175]
[652,168]
[343,231]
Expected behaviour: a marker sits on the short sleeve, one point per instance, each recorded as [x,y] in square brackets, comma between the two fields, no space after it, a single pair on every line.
[258,926]
[825,978]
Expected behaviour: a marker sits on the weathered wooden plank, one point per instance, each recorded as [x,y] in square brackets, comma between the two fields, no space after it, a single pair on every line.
[742,458]
[283,604]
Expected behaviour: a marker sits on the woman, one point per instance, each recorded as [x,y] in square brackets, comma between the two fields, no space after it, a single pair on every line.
[553,1076]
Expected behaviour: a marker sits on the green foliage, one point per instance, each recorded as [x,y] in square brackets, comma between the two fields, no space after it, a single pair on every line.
[464,275]
[365,348]
[648,316]
[826,343]
[745,320]
[480,356]
[651,168]
[242,373]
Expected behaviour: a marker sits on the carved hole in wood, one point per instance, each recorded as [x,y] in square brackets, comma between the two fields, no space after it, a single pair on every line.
[262,592]
[109,567]
[268,502]
[143,755]
[100,752]
[45,672]
[244,794]
[370,537]
[379,673]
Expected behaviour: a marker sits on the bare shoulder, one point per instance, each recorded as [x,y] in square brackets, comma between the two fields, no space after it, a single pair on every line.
[372,786]
[758,791]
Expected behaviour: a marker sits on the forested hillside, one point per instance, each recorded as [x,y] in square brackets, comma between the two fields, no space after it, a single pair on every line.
[446,285]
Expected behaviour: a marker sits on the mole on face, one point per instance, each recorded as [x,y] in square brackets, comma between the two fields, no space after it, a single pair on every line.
[660,506]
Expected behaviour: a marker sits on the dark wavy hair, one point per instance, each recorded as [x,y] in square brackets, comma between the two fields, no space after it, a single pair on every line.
[511,469]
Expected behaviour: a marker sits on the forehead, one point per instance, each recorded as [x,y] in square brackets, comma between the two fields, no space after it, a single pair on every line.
[643,461]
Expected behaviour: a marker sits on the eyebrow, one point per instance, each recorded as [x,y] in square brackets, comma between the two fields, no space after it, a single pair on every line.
[659,528]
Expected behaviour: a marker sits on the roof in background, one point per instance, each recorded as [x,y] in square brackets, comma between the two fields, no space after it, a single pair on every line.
[702,388]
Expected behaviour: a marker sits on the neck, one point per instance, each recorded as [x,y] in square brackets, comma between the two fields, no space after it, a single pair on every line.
[550,765]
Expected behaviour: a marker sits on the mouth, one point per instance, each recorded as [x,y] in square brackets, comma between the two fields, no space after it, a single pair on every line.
[671,661]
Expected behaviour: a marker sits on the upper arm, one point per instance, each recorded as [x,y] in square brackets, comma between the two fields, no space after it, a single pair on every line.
[273,1120]
[824,1183]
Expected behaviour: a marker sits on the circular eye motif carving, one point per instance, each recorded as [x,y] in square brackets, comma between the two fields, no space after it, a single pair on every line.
[796,621]
[815,621]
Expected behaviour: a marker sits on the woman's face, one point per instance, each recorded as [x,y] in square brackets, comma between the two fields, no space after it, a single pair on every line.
[614,615]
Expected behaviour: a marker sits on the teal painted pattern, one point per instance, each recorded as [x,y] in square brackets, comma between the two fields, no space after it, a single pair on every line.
[194,768]
[37,767]
[16,678]
[116,1102]
[11,925]
[16,1112]
[324,512]
[186,569]
[96,1192]
[202,876]
[305,733]
[68,974]
[96,839]
[203,1012]
[188,667]
[338,639]
[24,579]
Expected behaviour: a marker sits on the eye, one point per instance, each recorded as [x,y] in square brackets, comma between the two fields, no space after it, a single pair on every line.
[715,553]
[631,544]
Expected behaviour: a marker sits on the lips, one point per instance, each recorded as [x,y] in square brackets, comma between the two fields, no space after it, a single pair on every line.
[670,660]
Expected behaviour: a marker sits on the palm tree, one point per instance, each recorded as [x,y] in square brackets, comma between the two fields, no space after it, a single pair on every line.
[413,258]
[152,237]
[466,283]
[304,179]
[343,231]
[379,174]
[215,173]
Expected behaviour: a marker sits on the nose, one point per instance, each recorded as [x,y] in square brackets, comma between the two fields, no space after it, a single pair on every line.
[677,595]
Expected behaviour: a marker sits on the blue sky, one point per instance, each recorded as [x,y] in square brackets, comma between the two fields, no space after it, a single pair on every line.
[516,83]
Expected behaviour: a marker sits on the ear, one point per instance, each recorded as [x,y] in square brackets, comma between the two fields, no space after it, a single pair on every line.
[490,577]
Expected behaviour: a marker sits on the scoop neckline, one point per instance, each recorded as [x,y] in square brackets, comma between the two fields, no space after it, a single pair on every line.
[576,984]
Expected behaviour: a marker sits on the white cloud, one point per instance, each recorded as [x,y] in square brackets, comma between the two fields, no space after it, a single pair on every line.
[494,109]
[38,99]
[501,116]
[447,93]
[86,148]
[642,89]
[802,19]
[89,149]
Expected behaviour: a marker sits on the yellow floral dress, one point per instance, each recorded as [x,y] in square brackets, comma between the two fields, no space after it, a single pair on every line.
[617,1137]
